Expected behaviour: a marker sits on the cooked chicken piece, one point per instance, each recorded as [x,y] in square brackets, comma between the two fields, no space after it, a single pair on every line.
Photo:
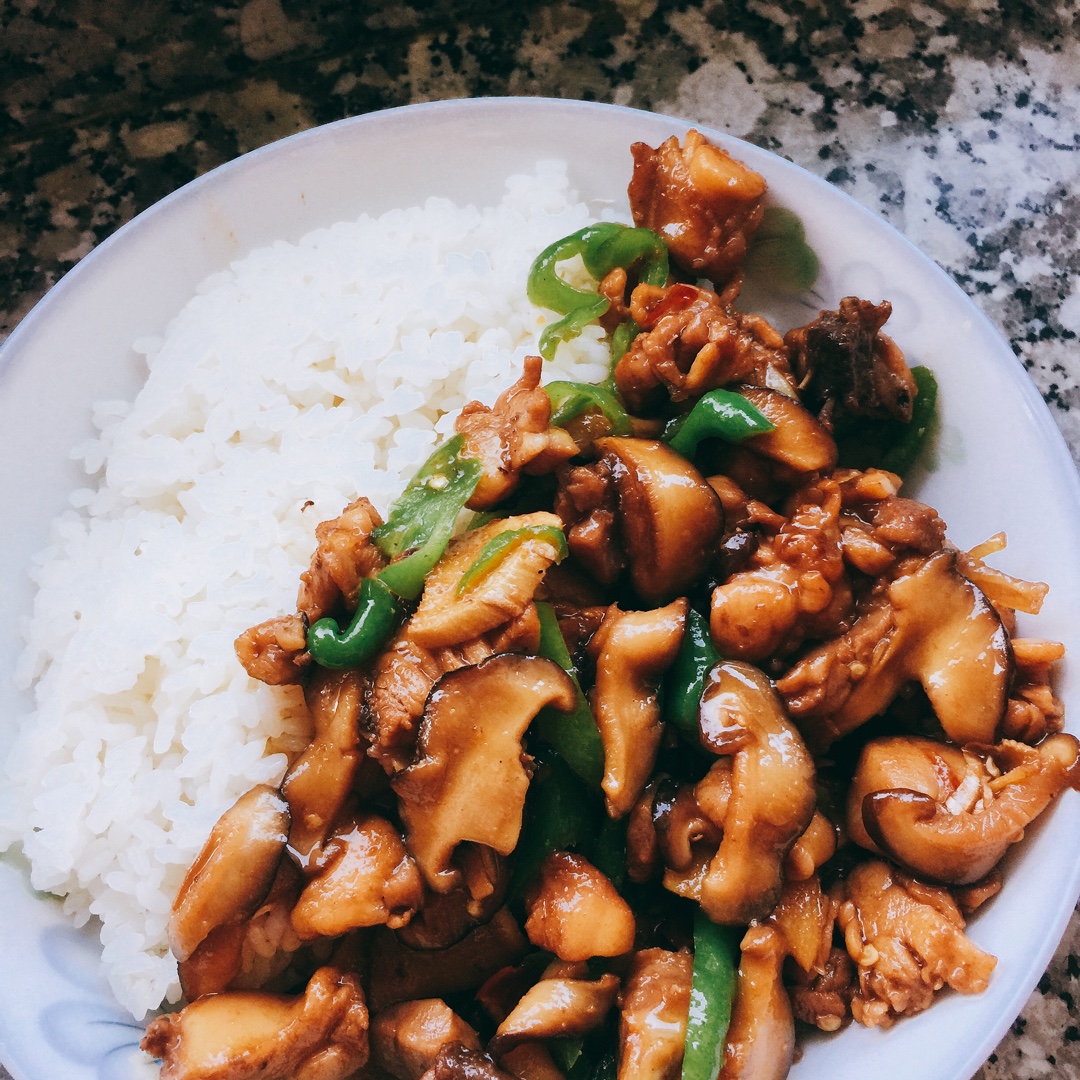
[654,1011]
[691,342]
[531,1061]
[343,558]
[405,672]
[447,615]
[806,916]
[704,204]
[924,622]
[320,1035]
[457,1062]
[406,1038]
[587,503]
[908,942]
[795,585]
[232,874]
[565,1003]
[275,651]
[365,878]
[824,1000]
[575,912]
[847,367]
[407,974]
[513,436]
[319,781]
[632,650]
[469,780]
[761,1036]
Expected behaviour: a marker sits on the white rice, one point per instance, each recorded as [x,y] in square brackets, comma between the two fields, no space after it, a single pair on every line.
[300,377]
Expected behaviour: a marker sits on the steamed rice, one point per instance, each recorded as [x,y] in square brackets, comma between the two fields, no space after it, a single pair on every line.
[300,377]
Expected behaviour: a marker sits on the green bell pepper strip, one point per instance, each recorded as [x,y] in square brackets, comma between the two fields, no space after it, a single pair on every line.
[902,454]
[684,682]
[499,547]
[719,414]
[602,247]
[624,334]
[557,815]
[712,995]
[570,399]
[372,623]
[574,735]
[423,517]
[605,848]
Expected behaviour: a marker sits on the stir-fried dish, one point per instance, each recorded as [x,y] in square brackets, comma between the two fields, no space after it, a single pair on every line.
[698,730]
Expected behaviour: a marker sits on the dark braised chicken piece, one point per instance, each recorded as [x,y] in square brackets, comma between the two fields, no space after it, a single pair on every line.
[908,942]
[847,367]
[321,1034]
[512,437]
[691,342]
[343,557]
[704,203]
[794,586]
[275,651]
[406,1038]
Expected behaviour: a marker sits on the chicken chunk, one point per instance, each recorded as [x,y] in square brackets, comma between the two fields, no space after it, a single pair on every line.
[691,343]
[343,557]
[275,651]
[512,437]
[406,1038]
[320,1035]
[705,204]
[794,586]
[908,942]
[847,367]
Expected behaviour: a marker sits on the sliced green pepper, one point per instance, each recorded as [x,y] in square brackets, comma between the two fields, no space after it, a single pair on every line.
[903,453]
[605,848]
[684,682]
[422,518]
[886,443]
[557,815]
[372,623]
[712,995]
[574,735]
[499,547]
[570,399]
[719,414]
[602,247]
[779,255]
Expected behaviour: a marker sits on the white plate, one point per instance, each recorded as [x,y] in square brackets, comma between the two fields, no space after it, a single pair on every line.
[1000,464]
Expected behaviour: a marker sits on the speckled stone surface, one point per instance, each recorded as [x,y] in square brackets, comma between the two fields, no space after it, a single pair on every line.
[958,121]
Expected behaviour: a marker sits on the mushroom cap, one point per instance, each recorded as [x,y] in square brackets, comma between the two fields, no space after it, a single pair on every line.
[469,780]
[669,516]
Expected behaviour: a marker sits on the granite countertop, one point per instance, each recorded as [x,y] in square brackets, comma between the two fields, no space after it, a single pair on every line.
[958,121]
